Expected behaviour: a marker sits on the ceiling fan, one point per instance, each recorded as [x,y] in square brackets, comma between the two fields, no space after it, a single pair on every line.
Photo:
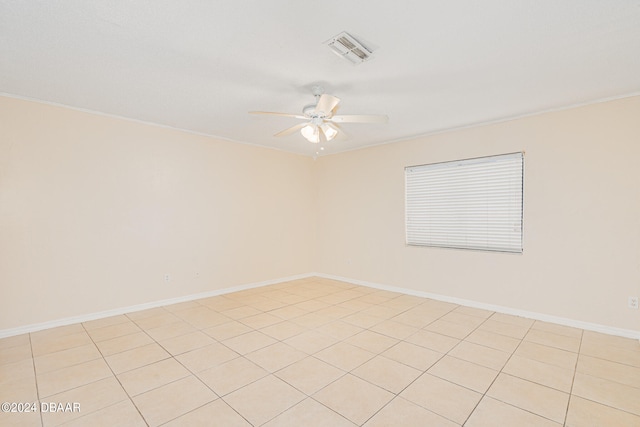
[321,121]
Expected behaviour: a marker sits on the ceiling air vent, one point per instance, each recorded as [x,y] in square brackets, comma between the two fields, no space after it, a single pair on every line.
[349,48]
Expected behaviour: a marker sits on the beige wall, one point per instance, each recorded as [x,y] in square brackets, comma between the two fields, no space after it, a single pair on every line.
[581,255]
[95,210]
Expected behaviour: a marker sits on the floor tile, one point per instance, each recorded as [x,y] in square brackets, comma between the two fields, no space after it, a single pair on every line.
[124,343]
[214,413]
[393,329]
[512,320]
[362,320]
[312,320]
[15,353]
[344,356]
[609,341]
[22,369]
[310,374]
[472,311]
[466,374]
[386,373]
[493,340]
[607,392]
[401,412]
[544,401]
[173,400]
[18,390]
[372,341]
[481,355]
[613,371]
[434,341]
[171,330]
[220,303]
[583,412]
[241,312]
[160,319]
[122,414]
[413,355]
[15,341]
[353,398]
[152,376]
[136,358]
[540,373]
[143,314]
[105,321]
[232,375]
[52,344]
[567,331]
[339,330]
[264,399]
[268,304]
[542,353]
[288,312]
[57,332]
[463,319]
[206,357]
[309,413]
[442,397]
[187,342]
[227,330]
[261,320]
[311,342]
[312,306]
[181,306]
[202,317]
[65,358]
[381,311]
[71,377]
[91,397]
[276,356]
[415,318]
[283,330]
[20,419]
[618,354]
[491,412]
[506,329]
[553,340]
[113,331]
[334,312]
[251,341]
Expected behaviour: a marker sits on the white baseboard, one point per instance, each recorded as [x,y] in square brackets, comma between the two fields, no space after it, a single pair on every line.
[139,307]
[627,333]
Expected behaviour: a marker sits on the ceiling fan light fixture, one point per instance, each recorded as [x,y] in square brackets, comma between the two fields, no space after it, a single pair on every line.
[329,131]
[346,46]
[311,133]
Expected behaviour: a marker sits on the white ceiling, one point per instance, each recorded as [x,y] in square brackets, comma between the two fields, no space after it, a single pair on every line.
[202,65]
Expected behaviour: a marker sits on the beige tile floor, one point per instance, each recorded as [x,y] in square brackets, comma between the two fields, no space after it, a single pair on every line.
[317,352]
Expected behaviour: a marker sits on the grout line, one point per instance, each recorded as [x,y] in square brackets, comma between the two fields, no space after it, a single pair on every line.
[35,375]
[116,378]
[499,372]
[573,378]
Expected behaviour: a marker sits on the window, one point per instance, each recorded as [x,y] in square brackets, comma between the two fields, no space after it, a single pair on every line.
[466,204]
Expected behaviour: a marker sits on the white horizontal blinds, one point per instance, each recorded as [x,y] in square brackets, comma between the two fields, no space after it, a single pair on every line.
[469,204]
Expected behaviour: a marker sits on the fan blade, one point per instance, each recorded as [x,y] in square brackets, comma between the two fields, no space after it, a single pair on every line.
[296,116]
[291,130]
[326,104]
[360,118]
